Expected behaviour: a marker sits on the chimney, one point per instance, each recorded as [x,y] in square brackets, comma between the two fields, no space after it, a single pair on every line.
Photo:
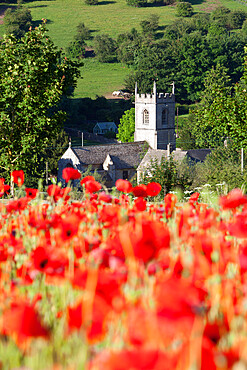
[82,139]
[70,142]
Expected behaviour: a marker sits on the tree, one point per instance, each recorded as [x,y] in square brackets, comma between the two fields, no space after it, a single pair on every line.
[184,9]
[222,113]
[76,48]
[105,48]
[34,78]
[221,166]
[126,128]
[17,21]
[150,25]
[50,155]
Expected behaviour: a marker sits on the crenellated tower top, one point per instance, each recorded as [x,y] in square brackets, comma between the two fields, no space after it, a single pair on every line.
[155,118]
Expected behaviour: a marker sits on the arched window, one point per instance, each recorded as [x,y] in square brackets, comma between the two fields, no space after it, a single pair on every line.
[165,117]
[145,117]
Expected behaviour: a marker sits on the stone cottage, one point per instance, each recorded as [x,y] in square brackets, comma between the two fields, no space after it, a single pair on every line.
[112,161]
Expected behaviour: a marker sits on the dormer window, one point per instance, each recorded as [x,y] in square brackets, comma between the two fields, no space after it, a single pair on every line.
[145,117]
[165,118]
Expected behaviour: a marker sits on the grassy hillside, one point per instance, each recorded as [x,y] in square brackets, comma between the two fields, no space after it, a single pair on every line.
[110,16]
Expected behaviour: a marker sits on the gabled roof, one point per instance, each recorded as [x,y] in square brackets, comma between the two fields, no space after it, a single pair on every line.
[157,154]
[105,125]
[198,155]
[123,155]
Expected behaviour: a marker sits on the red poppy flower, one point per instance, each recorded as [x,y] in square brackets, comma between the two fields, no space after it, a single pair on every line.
[53,190]
[92,186]
[170,202]
[49,260]
[69,226]
[140,358]
[153,189]
[70,173]
[31,193]
[18,177]
[233,199]
[194,198]
[22,321]
[103,197]
[87,178]
[123,185]
[2,180]
[140,204]
[140,191]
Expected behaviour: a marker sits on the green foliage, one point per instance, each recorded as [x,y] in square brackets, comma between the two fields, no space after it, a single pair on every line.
[186,139]
[128,43]
[220,15]
[167,173]
[185,56]
[220,167]
[54,150]
[126,127]
[244,27]
[223,17]
[222,112]
[76,48]
[17,21]
[105,48]
[236,19]
[184,9]
[91,2]
[137,3]
[34,78]
[150,25]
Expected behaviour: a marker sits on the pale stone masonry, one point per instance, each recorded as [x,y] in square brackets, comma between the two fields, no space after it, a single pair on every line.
[155,118]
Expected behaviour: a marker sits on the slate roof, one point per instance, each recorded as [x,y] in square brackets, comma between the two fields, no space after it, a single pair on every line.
[198,155]
[123,155]
[157,154]
[105,125]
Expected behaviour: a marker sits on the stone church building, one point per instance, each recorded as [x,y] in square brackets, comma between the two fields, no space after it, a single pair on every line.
[154,135]
[155,118]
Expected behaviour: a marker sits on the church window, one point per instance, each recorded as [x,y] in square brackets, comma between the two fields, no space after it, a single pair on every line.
[145,117]
[165,117]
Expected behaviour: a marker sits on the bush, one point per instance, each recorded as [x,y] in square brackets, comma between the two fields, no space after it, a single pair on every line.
[222,166]
[91,2]
[150,26]
[76,50]
[17,21]
[236,19]
[184,9]
[136,3]
[105,48]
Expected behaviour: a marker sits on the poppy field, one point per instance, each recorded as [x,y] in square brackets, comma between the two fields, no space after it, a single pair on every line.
[117,282]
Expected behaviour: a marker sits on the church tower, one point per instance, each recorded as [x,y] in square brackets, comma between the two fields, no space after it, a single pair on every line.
[155,118]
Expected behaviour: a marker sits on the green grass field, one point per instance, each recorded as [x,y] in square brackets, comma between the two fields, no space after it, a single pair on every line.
[112,17]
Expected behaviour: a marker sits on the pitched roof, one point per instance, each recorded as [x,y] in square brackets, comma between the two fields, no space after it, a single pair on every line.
[157,154]
[124,155]
[105,125]
[198,154]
